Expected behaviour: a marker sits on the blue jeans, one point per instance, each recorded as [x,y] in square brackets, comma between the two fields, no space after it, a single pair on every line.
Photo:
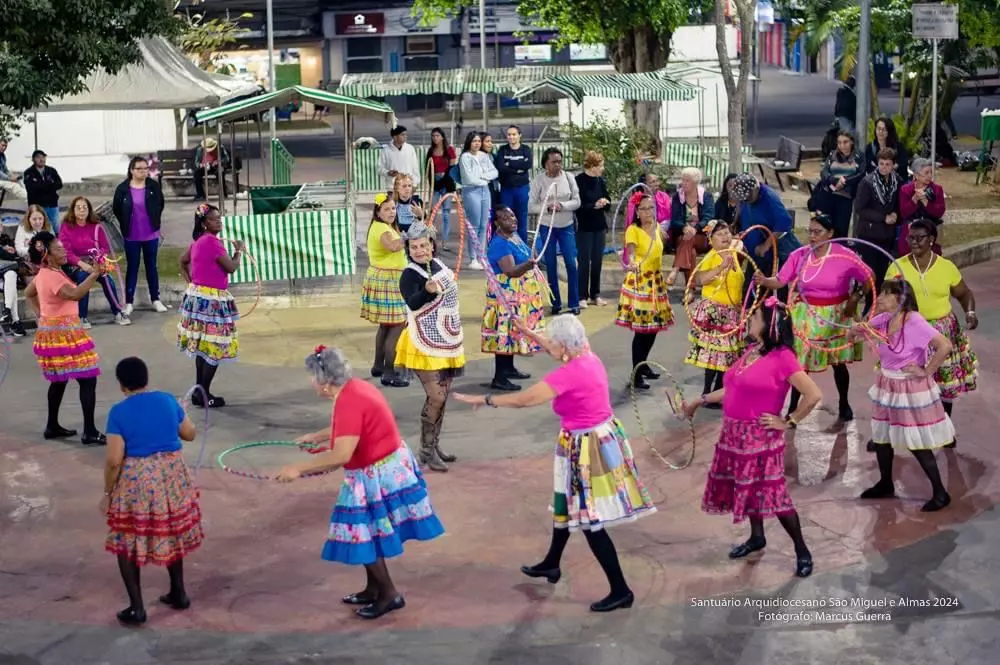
[476,201]
[53,215]
[445,216]
[516,198]
[107,285]
[565,238]
[148,249]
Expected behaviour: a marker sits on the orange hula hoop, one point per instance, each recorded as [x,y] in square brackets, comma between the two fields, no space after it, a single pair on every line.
[746,314]
[774,246]
[460,210]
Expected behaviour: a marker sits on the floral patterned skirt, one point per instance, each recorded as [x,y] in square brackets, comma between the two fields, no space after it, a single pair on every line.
[379,508]
[499,334]
[959,372]
[207,328]
[708,350]
[153,516]
[643,304]
[747,476]
[817,324]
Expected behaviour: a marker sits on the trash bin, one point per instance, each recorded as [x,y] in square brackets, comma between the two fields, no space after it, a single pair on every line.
[273,199]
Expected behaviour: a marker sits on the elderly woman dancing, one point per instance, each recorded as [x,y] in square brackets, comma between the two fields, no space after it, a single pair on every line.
[596,480]
[383,500]
[432,345]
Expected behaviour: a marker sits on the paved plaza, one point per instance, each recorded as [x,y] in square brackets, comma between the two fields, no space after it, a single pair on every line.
[261,594]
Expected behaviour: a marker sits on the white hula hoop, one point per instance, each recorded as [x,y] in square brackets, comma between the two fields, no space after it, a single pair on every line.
[549,196]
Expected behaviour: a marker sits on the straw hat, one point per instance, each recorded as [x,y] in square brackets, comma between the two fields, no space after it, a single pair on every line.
[209,144]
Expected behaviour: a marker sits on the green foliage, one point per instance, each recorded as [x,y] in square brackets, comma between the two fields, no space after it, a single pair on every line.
[206,39]
[48,47]
[621,146]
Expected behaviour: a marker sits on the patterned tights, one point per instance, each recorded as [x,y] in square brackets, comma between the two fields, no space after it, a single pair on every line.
[437,385]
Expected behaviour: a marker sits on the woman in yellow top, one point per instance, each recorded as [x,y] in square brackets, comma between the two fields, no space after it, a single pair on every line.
[381,301]
[935,281]
[643,306]
[718,311]
[433,344]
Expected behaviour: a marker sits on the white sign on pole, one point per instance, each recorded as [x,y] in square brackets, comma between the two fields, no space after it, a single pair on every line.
[935,21]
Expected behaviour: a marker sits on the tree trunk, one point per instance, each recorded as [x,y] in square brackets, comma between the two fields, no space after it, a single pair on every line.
[466,38]
[736,91]
[642,50]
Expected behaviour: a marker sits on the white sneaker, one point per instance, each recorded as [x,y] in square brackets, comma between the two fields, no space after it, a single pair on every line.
[129,308]
[85,324]
[122,319]
[158,307]
[475,265]
[583,304]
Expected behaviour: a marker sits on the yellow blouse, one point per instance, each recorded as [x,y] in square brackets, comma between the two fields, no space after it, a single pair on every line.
[379,256]
[652,259]
[932,288]
[727,288]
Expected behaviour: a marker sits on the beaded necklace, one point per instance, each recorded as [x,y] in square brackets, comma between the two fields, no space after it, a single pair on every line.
[922,274]
[810,263]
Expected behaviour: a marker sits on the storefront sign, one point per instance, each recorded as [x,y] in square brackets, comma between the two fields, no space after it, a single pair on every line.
[502,19]
[526,54]
[588,52]
[359,25]
[401,22]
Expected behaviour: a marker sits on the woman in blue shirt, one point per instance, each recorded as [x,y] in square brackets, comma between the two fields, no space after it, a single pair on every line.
[510,260]
[149,499]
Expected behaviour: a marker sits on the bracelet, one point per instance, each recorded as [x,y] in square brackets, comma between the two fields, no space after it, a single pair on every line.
[489,400]
[791,422]
[971,312]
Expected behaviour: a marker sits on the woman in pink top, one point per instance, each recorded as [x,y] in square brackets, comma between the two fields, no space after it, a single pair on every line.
[596,481]
[63,349]
[907,410]
[829,280]
[747,476]
[207,329]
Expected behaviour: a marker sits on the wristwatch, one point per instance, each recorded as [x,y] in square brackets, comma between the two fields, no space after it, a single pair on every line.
[792,424]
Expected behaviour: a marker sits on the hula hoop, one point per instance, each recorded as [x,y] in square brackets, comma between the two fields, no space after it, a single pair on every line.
[260,444]
[618,208]
[774,246]
[745,314]
[535,252]
[673,407]
[462,222]
[256,274]
[204,432]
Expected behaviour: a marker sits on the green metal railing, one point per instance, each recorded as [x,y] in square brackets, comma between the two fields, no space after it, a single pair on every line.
[282,163]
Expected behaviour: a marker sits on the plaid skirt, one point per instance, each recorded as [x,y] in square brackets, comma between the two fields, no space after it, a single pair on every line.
[381,301]
[907,412]
[959,372]
[708,350]
[64,350]
[816,323]
[643,304]
[153,516]
[207,328]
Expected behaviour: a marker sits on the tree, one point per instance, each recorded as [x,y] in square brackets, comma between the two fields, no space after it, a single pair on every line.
[205,39]
[736,90]
[48,47]
[637,34]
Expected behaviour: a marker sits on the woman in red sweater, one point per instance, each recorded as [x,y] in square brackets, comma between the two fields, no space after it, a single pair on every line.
[921,198]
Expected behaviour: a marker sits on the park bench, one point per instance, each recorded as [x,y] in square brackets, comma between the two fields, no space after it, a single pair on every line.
[787,159]
[176,167]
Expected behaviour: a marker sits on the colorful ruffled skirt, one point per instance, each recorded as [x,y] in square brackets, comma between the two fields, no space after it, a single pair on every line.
[499,334]
[64,350]
[709,350]
[153,516]
[381,301]
[826,326]
[747,476]
[596,480]
[207,328]
[379,508]
[959,372]
[643,304]
[907,412]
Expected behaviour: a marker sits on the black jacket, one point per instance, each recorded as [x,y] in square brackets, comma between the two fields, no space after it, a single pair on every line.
[513,166]
[122,205]
[846,105]
[902,160]
[43,187]
[871,213]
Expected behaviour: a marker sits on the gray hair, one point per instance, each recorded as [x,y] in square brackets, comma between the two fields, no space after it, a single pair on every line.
[329,367]
[567,330]
[693,173]
[919,164]
[418,229]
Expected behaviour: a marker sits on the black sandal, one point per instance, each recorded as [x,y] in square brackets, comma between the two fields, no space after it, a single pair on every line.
[129,617]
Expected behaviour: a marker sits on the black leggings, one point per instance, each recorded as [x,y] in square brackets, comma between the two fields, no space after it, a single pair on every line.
[642,344]
[88,400]
[603,549]
[386,340]
[885,455]
[204,374]
[842,379]
[792,526]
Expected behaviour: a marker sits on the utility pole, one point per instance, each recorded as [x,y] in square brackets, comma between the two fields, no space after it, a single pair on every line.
[862,87]
[272,79]
[482,57]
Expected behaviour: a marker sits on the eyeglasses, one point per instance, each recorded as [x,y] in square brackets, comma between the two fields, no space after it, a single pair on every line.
[917,237]
[816,232]
[646,208]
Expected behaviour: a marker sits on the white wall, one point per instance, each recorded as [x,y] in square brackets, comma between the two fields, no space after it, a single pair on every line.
[93,143]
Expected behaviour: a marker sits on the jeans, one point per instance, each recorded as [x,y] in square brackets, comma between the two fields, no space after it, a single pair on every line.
[445,216]
[148,249]
[565,238]
[53,215]
[590,245]
[107,285]
[516,198]
[476,201]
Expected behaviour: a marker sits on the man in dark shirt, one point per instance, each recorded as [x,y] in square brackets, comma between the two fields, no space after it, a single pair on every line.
[514,162]
[43,184]
[846,106]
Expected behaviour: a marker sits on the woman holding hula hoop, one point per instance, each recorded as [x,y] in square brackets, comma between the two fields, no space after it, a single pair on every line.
[715,338]
[824,277]
[432,344]
[747,476]
[935,281]
[643,304]
[383,500]
[596,481]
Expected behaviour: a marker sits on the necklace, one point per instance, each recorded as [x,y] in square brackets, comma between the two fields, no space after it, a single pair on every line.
[748,361]
[922,274]
[817,264]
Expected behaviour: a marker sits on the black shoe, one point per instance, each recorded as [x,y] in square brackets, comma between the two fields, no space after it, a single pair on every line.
[376,373]
[846,415]
[94,439]
[394,382]
[648,373]
[804,566]
[639,383]
[58,432]
[871,446]
[17,329]
[937,503]
[373,611]
[610,603]
[518,375]
[176,603]
[744,550]
[555,311]
[129,617]
[360,598]
[505,385]
[214,402]
[445,457]
[880,490]
[575,311]
[552,575]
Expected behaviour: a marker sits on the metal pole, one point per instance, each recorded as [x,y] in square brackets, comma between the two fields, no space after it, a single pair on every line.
[756,72]
[934,108]
[272,79]
[482,56]
[862,87]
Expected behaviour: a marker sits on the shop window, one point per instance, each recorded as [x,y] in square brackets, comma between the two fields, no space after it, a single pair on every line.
[364,47]
[363,66]
[421,45]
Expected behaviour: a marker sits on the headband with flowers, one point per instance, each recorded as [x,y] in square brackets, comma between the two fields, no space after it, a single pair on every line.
[637,197]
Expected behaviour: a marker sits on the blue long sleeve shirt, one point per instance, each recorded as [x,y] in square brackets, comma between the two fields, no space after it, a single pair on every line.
[767,211]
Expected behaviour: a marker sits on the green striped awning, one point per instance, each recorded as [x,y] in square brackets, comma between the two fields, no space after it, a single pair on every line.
[504,81]
[294,245]
[692,71]
[279,98]
[643,87]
